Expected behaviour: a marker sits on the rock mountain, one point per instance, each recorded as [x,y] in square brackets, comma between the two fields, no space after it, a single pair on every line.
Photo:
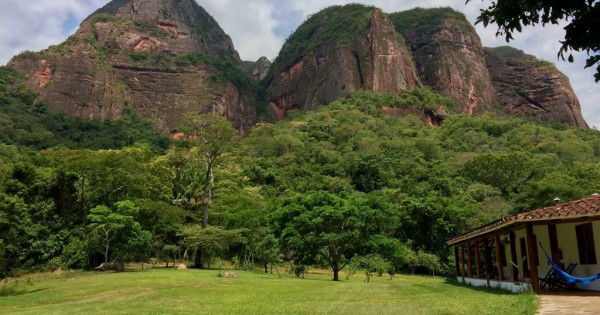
[164,58]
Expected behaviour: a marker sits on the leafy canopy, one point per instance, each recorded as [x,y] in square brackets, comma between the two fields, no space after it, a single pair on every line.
[581,31]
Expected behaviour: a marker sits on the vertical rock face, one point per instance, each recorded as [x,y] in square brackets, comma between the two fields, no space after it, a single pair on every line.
[532,88]
[336,51]
[258,69]
[449,56]
[163,58]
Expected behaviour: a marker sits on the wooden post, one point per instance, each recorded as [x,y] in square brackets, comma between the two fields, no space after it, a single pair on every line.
[513,255]
[531,259]
[499,257]
[462,260]
[456,262]
[477,260]
[470,261]
[487,258]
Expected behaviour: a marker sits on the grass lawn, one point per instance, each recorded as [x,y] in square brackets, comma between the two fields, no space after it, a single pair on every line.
[169,291]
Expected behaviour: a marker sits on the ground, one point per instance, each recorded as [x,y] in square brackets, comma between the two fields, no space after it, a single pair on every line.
[169,291]
[572,302]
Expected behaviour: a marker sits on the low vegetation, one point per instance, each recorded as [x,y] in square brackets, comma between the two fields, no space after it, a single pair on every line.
[168,291]
[328,188]
[426,21]
[335,25]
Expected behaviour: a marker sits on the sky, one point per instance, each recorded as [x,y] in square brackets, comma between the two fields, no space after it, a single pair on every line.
[260,27]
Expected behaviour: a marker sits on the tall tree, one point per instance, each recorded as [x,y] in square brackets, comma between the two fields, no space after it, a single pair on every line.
[212,134]
[581,31]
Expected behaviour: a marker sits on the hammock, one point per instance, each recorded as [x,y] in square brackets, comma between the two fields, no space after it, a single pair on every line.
[561,274]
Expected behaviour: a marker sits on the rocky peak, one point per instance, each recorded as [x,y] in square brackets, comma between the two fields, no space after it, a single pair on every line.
[532,88]
[178,26]
[336,51]
[162,58]
[258,69]
[448,55]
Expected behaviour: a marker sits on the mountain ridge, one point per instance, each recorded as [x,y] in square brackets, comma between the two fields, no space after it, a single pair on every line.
[164,58]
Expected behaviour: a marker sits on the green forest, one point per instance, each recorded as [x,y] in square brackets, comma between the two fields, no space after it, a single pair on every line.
[341,187]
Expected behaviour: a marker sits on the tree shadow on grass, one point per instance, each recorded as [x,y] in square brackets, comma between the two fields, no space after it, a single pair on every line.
[18,292]
[491,290]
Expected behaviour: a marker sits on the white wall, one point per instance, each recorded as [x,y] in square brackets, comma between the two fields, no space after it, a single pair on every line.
[504,285]
[567,241]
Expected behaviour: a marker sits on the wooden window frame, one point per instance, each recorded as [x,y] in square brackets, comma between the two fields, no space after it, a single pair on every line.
[586,246]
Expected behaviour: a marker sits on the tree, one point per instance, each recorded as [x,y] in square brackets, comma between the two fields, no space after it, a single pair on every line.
[507,171]
[212,134]
[320,224]
[107,224]
[268,252]
[116,227]
[213,240]
[581,31]
[373,263]
[14,220]
[429,261]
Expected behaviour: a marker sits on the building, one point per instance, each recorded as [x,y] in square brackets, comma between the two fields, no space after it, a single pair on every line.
[508,253]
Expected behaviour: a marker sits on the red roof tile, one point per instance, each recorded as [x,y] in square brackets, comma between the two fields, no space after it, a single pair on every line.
[579,208]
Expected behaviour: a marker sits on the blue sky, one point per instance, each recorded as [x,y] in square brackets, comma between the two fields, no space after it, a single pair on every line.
[259,28]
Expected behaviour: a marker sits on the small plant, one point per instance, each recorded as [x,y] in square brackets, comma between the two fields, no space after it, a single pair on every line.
[103,18]
[10,287]
[138,56]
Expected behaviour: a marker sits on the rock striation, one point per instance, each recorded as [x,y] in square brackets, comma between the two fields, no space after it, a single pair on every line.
[165,58]
[532,88]
[162,58]
[336,51]
[449,56]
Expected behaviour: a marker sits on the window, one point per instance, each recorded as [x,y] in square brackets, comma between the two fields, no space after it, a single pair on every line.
[585,244]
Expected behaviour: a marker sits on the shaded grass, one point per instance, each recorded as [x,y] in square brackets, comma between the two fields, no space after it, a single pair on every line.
[167,291]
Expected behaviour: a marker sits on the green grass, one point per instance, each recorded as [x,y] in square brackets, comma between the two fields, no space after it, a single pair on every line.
[168,291]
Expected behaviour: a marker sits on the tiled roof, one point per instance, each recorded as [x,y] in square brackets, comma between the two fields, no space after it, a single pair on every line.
[579,208]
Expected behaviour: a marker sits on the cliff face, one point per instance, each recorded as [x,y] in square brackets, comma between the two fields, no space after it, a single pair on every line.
[162,58]
[258,69]
[532,88]
[448,56]
[336,51]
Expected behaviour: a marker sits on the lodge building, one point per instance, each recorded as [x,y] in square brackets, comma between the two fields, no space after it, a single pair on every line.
[509,253]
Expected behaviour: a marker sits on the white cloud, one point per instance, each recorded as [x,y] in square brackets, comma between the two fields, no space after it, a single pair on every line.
[259,28]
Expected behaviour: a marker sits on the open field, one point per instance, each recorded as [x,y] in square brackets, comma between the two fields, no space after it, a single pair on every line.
[168,291]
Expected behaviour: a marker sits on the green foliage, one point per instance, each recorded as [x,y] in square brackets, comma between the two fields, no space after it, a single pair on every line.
[120,235]
[12,287]
[213,240]
[315,189]
[102,18]
[151,28]
[582,17]
[371,264]
[227,70]
[421,98]
[335,25]
[426,21]
[506,171]
[27,123]
[138,56]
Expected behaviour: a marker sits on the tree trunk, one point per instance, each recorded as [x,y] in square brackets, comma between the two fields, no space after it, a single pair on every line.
[106,252]
[198,258]
[266,268]
[207,191]
[336,274]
